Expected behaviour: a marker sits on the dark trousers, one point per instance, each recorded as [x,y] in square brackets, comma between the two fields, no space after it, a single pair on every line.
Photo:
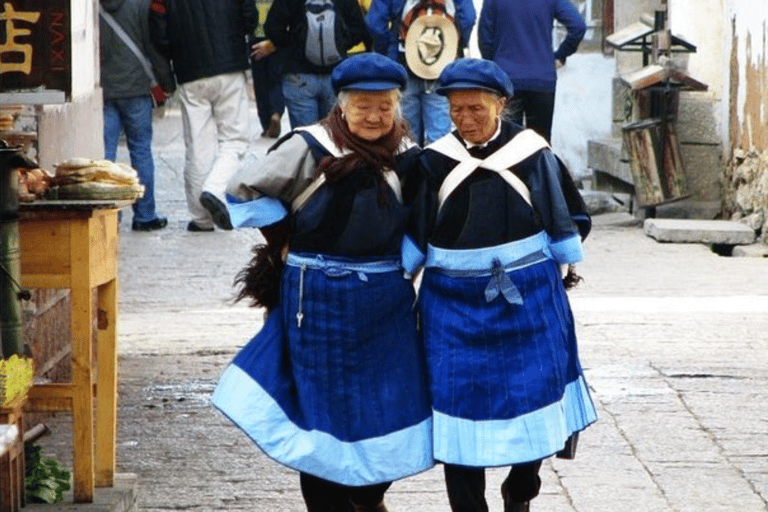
[533,110]
[325,496]
[466,485]
[268,87]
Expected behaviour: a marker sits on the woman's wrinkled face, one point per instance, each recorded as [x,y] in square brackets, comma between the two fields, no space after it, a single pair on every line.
[370,114]
[475,113]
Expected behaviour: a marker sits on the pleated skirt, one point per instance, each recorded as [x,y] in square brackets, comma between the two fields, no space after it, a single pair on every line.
[506,381]
[335,384]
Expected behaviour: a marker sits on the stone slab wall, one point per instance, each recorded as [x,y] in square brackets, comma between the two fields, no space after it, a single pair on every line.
[746,175]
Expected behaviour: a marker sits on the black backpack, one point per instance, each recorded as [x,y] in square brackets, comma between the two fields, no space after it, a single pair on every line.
[323,35]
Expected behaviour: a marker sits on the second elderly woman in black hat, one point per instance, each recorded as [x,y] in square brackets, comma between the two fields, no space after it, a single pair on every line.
[334,384]
[498,217]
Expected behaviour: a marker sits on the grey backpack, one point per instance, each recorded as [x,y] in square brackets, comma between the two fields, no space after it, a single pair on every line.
[323,39]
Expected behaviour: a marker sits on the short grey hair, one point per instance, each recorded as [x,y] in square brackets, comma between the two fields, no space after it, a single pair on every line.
[343,98]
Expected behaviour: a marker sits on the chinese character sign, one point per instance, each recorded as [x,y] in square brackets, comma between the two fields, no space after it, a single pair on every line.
[35,45]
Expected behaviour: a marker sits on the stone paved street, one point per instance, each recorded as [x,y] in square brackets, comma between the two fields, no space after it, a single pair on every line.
[673,338]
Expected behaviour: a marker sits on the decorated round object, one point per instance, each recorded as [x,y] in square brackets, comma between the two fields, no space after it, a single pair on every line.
[431,44]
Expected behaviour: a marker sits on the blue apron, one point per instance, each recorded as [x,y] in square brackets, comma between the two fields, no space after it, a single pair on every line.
[506,382]
[334,384]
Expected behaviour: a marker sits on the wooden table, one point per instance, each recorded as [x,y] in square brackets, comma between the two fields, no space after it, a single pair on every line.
[74,245]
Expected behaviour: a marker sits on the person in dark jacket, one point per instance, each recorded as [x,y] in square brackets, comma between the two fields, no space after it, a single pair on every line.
[307,88]
[267,73]
[497,221]
[425,110]
[518,37]
[127,101]
[207,42]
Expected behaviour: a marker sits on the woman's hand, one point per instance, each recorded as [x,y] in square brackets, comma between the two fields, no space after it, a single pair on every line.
[262,49]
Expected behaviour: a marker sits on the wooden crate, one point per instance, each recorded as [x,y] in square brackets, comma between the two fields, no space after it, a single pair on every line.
[12,460]
[657,168]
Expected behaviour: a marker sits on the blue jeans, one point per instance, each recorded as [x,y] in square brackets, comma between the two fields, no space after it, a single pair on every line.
[308,97]
[134,115]
[425,110]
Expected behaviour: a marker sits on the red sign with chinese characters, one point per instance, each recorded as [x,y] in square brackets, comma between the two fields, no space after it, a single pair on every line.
[35,45]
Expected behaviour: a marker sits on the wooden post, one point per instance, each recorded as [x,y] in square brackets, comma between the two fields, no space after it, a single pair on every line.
[12,461]
[82,357]
[106,388]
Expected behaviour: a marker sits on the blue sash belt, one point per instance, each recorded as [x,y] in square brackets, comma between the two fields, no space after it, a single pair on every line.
[495,262]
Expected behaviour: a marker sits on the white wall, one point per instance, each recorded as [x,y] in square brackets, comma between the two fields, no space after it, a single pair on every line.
[701,22]
[85,46]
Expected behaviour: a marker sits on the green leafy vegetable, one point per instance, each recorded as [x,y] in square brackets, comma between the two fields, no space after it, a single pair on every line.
[46,480]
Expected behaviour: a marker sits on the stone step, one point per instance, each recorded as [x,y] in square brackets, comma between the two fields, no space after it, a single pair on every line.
[123,497]
[699,231]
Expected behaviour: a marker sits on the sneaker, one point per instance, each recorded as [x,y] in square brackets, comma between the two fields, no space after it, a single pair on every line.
[273,131]
[152,225]
[197,228]
[217,209]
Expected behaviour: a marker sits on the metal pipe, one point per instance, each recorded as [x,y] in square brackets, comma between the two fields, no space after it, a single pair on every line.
[10,252]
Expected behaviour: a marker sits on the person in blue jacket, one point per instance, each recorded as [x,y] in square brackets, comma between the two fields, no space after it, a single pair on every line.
[425,111]
[497,222]
[518,37]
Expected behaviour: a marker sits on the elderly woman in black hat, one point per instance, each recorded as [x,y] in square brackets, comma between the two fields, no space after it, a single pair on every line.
[334,385]
[498,217]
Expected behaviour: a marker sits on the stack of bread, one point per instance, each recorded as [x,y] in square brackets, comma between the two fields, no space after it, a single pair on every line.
[87,179]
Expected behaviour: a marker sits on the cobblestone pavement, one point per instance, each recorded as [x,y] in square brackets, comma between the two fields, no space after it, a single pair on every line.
[673,338]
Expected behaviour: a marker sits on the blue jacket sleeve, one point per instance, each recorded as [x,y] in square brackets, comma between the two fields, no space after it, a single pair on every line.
[383,24]
[567,14]
[560,207]
[465,20]
[486,31]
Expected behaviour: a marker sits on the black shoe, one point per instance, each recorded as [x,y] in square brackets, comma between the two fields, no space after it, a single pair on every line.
[217,209]
[513,506]
[152,225]
[196,228]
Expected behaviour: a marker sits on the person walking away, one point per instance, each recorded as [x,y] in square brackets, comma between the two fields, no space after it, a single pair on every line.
[334,384]
[266,70]
[127,97]
[518,37]
[440,30]
[298,27]
[206,41]
[497,217]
